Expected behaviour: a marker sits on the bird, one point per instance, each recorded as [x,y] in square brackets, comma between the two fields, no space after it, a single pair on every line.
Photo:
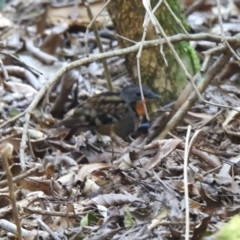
[119,111]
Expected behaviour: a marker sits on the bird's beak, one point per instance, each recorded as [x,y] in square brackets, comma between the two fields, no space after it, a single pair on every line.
[154,96]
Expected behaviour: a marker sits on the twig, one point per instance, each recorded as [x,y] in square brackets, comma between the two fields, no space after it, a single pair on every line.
[6,150]
[185,181]
[90,25]
[99,44]
[4,71]
[12,119]
[202,155]
[188,147]
[47,228]
[48,213]
[214,51]
[21,62]
[222,31]
[10,227]
[211,119]
[21,176]
[30,146]
[194,6]
[175,17]
[211,74]
[126,39]
[205,63]
[138,56]
[209,53]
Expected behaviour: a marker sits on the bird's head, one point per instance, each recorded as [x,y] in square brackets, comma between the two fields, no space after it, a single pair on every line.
[132,94]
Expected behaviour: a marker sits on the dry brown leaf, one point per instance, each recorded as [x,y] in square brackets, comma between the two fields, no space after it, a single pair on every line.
[89,168]
[23,88]
[167,148]
[113,199]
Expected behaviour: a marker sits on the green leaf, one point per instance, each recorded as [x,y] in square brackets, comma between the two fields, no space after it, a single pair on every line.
[14,112]
[128,220]
[88,219]
[230,231]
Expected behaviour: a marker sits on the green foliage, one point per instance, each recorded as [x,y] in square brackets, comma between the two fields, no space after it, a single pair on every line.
[128,220]
[14,112]
[231,230]
[88,219]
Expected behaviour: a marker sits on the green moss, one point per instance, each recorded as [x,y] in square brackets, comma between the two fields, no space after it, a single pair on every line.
[187,54]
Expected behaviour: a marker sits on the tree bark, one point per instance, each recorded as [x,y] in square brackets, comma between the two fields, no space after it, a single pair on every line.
[128,18]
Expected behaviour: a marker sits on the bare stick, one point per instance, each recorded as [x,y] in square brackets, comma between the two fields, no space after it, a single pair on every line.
[12,119]
[28,173]
[10,227]
[4,71]
[175,17]
[212,72]
[91,23]
[48,229]
[21,62]
[126,39]
[145,26]
[222,32]
[185,181]
[99,44]
[48,213]
[6,150]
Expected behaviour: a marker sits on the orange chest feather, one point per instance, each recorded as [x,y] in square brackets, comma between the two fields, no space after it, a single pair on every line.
[139,108]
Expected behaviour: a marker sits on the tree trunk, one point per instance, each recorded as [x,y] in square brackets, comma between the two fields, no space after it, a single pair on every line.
[128,18]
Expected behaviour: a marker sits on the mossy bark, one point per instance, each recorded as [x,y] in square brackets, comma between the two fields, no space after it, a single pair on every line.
[128,18]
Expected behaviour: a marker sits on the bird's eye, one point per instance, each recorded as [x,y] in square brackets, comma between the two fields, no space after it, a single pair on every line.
[138,94]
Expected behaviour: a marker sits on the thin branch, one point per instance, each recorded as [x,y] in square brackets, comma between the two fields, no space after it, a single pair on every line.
[48,229]
[99,44]
[185,181]
[210,75]
[126,39]
[145,26]
[13,119]
[48,213]
[175,17]
[11,228]
[222,31]
[209,53]
[23,175]
[31,69]
[4,71]
[6,151]
[90,25]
